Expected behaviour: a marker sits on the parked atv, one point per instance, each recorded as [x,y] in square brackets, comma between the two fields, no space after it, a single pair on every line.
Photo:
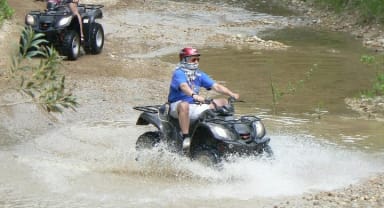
[62,30]
[215,135]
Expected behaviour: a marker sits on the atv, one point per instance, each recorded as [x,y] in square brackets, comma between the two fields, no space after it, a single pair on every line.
[62,30]
[217,134]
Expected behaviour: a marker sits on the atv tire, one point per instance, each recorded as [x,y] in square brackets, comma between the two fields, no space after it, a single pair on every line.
[148,140]
[71,45]
[208,158]
[96,39]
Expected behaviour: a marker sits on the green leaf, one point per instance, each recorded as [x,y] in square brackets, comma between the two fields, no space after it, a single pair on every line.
[31,54]
[42,82]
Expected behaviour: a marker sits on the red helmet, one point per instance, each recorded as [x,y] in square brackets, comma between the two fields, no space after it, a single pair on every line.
[188,51]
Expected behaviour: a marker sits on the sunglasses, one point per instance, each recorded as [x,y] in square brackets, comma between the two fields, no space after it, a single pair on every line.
[193,59]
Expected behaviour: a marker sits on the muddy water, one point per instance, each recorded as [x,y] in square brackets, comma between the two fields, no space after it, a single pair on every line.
[316,106]
[333,61]
[91,163]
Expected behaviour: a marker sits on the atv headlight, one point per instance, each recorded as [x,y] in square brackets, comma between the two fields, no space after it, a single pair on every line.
[221,133]
[30,19]
[258,129]
[64,21]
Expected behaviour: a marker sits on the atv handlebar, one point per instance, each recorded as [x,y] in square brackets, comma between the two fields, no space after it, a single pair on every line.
[156,108]
[210,100]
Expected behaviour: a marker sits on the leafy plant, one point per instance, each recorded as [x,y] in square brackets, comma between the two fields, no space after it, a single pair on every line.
[42,83]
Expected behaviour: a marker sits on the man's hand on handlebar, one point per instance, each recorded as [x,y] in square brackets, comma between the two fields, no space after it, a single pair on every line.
[199,99]
[235,95]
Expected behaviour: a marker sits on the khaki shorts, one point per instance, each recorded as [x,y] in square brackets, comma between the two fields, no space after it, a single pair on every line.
[194,110]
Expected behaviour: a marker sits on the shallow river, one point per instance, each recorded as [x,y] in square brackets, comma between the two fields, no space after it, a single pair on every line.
[92,163]
[317,104]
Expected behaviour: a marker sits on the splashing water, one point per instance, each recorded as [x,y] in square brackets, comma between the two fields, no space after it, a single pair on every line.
[300,165]
[98,161]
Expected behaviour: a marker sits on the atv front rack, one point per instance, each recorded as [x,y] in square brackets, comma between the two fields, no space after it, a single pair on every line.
[241,120]
[148,108]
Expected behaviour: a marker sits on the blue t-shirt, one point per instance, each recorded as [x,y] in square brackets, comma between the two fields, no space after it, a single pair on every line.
[201,79]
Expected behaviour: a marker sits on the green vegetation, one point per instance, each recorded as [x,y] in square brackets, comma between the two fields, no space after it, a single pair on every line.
[41,82]
[378,85]
[6,12]
[277,94]
[369,11]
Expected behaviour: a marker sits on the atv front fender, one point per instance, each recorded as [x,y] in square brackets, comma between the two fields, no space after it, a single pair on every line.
[93,15]
[149,118]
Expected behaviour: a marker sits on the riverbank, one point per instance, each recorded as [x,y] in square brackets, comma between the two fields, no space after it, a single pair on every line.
[108,84]
[371,35]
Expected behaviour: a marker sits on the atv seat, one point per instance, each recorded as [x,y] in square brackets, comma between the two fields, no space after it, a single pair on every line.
[52,4]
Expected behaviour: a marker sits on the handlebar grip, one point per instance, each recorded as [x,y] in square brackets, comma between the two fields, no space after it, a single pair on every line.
[231,99]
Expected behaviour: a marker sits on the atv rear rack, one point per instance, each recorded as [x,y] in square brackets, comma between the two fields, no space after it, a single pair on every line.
[56,12]
[49,13]
[91,6]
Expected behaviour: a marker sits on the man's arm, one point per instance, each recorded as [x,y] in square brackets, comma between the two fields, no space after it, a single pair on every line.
[224,90]
[186,89]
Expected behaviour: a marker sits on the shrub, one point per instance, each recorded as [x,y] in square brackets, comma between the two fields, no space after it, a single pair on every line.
[42,83]
[370,11]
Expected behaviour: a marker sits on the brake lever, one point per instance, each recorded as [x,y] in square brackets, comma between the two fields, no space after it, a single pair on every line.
[234,100]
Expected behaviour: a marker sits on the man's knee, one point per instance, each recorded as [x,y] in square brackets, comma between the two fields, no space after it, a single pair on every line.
[183,107]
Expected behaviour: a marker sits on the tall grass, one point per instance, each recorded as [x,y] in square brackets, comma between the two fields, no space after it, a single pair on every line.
[6,11]
[370,11]
[336,5]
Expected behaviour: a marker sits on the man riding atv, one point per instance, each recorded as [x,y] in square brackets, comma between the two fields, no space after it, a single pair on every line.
[205,130]
[185,101]
[68,25]
[51,4]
